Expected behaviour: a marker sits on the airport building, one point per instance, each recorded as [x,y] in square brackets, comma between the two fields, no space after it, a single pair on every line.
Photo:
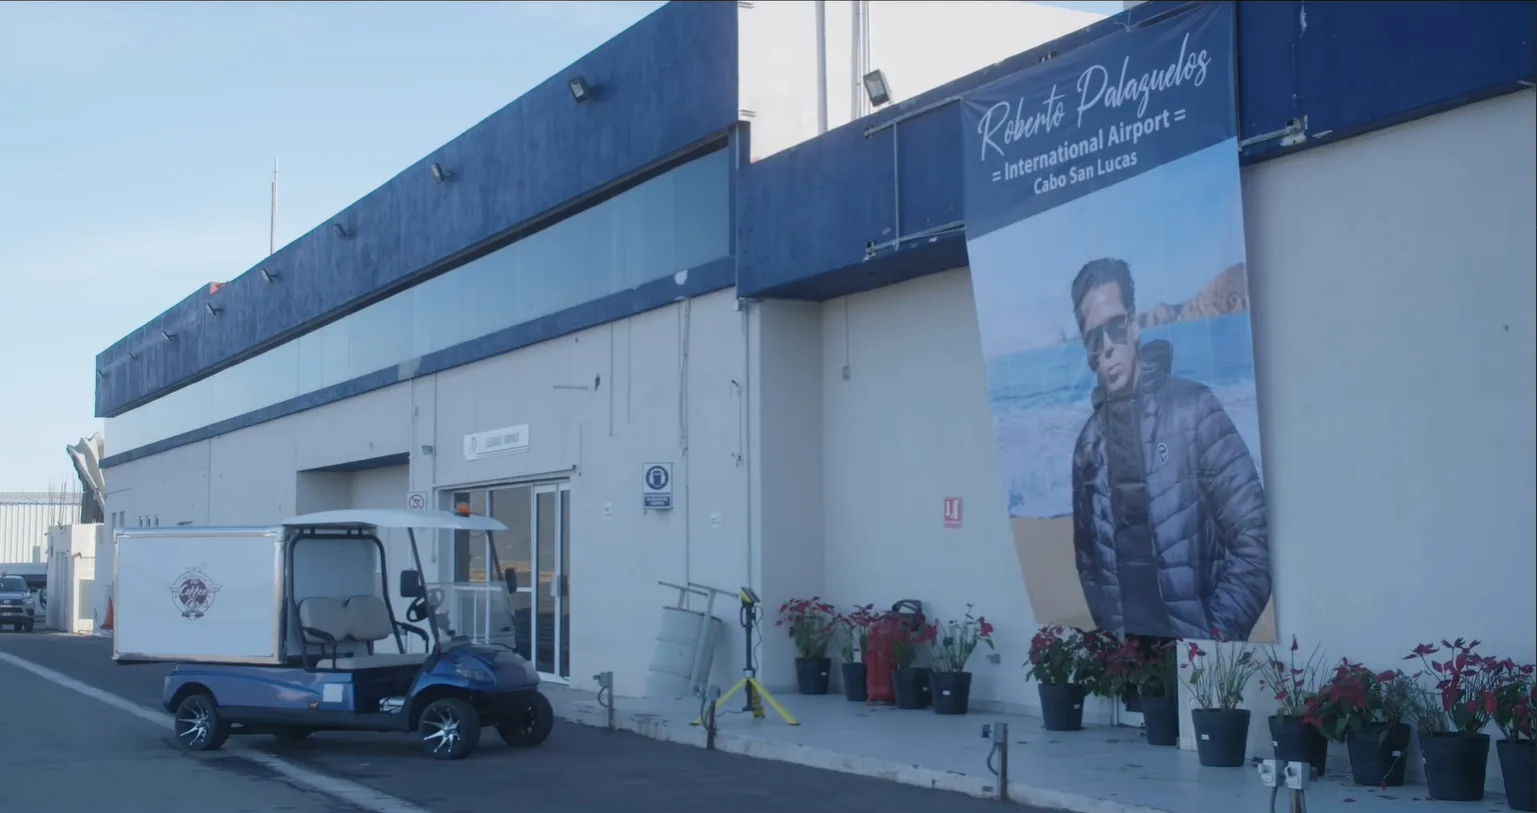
[701,308]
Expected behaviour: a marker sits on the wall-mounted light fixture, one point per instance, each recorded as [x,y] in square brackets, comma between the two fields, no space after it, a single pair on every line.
[439,174]
[339,230]
[101,373]
[268,277]
[212,311]
[580,90]
[876,88]
[168,335]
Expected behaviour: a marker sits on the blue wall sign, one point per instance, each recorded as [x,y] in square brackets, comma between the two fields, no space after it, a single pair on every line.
[1097,116]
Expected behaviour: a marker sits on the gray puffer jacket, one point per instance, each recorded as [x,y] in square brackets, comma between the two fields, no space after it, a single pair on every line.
[1169,512]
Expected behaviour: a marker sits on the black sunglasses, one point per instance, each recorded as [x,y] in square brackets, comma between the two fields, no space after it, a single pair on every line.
[1115,331]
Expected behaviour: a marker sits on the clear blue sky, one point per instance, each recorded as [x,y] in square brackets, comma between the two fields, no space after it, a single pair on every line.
[139,140]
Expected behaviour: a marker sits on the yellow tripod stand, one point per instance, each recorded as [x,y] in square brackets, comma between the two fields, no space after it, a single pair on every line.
[756,694]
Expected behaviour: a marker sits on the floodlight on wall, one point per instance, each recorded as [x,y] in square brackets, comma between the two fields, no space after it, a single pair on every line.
[168,335]
[439,174]
[580,90]
[339,230]
[268,276]
[101,373]
[876,88]
[212,311]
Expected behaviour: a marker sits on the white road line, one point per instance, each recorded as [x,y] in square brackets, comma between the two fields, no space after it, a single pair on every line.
[351,792]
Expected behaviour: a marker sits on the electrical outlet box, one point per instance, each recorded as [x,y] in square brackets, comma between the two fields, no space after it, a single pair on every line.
[1297,774]
[1267,773]
[994,658]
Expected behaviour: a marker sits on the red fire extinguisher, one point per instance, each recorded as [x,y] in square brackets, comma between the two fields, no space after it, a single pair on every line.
[878,660]
[905,618]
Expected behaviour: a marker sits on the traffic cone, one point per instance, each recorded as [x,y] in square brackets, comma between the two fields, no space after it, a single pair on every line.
[106,623]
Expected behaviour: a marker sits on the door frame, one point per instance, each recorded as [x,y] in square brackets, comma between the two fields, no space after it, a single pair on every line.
[560,579]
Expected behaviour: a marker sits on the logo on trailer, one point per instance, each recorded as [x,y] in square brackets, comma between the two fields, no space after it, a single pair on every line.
[193,593]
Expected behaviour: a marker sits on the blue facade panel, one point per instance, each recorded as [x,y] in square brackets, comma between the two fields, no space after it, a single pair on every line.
[665,84]
[813,222]
[809,217]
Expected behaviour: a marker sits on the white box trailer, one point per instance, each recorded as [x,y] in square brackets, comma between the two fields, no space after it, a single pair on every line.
[200,595]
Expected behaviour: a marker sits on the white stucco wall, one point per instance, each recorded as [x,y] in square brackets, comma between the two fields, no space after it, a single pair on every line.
[664,386]
[814,444]
[1392,286]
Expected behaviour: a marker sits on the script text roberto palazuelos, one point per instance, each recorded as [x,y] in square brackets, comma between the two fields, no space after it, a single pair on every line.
[1005,124]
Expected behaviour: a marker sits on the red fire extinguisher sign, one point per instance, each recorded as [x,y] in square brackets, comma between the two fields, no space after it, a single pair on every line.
[952,512]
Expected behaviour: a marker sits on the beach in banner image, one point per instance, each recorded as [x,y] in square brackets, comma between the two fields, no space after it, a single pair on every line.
[1116,321]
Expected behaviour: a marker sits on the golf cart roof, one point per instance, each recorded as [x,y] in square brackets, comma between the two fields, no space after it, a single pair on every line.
[395,518]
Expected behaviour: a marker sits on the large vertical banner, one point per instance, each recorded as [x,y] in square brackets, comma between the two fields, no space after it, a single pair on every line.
[1105,228]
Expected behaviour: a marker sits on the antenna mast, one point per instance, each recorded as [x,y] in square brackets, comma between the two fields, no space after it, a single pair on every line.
[272,220]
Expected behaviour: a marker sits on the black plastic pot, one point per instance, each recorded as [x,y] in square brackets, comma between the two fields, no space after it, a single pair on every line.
[911,685]
[854,676]
[1160,717]
[1221,736]
[1131,698]
[1379,755]
[1061,706]
[811,675]
[951,691]
[1296,741]
[1518,761]
[1455,765]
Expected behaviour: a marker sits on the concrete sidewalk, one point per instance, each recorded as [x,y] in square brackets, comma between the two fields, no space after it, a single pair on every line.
[1097,770]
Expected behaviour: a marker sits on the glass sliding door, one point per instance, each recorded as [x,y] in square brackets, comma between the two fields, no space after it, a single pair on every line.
[514,550]
[536,548]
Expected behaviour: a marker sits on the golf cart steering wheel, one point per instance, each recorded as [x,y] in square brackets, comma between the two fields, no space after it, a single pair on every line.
[422,606]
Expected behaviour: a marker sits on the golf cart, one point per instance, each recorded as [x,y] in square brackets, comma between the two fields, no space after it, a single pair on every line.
[290,630]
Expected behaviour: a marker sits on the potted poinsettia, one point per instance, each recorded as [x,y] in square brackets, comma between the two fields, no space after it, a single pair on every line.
[811,625]
[1144,667]
[1061,667]
[1293,685]
[954,642]
[1514,700]
[1452,739]
[854,639]
[1216,682]
[1366,711]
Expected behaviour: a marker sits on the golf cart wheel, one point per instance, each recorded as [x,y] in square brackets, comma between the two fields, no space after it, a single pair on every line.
[292,733]
[449,729]
[530,726]
[198,726]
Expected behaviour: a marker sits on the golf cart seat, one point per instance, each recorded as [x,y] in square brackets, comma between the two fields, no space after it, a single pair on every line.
[348,631]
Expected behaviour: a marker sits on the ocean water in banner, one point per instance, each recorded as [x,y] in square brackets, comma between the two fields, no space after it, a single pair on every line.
[1105,228]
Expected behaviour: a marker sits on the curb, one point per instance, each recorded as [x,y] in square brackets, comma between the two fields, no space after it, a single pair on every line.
[592,715]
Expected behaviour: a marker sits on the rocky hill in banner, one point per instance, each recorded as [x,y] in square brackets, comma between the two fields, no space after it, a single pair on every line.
[1227,293]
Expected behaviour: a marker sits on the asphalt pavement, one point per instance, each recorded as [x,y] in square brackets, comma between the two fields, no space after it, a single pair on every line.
[63,752]
[56,737]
